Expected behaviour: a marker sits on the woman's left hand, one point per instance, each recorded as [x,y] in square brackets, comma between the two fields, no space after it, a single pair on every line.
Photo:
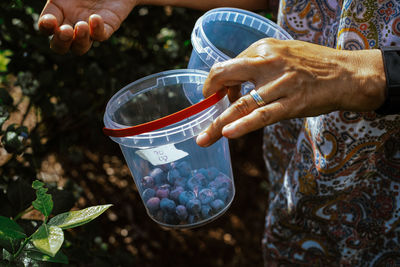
[295,79]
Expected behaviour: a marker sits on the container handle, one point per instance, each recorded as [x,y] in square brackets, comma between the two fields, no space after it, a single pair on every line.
[167,120]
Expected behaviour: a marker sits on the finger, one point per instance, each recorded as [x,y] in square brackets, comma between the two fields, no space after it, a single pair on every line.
[228,73]
[257,119]
[234,92]
[62,39]
[242,107]
[50,18]
[96,28]
[48,24]
[81,41]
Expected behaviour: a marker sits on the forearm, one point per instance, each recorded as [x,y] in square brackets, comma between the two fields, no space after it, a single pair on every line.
[209,4]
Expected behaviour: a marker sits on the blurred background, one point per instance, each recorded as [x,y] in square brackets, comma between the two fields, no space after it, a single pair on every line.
[51,110]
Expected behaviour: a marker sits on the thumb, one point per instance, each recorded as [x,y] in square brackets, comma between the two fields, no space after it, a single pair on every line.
[229,74]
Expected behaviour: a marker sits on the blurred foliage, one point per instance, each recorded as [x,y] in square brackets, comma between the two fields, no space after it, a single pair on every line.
[51,111]
[66,96]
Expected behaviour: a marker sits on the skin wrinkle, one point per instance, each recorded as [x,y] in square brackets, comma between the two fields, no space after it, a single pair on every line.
[264,115]
[241,107]
[59,20]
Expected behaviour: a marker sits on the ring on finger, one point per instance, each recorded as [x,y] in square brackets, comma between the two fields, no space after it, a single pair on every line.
[260,102]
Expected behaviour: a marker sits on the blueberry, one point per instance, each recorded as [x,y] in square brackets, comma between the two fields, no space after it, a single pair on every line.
[185,196]
[223,194]
[167,205]
[174,194]
[184,168]
[165,167]
[193,206]
[180,181]
[223,181]
[172,165]
[163,191]
[170,218]
[153,204]
[202,171]
[197,181]
[206,211]
[214,189]
[181,212]
[159,215]
[217,205]
[147,194]
[206,195]
[172,175]
[212,173]
[213,185]
[193,218]
[147,182]
[159,176]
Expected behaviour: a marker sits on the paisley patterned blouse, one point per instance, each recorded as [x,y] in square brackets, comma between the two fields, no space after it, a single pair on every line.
[335,178]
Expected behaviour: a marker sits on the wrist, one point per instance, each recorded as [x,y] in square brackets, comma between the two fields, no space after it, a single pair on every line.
[391,62]
[368,83]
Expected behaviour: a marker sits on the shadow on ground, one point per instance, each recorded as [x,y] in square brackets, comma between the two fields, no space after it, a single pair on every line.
[128,232]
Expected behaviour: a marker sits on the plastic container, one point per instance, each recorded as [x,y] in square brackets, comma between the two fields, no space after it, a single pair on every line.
[223,33]
[182,185]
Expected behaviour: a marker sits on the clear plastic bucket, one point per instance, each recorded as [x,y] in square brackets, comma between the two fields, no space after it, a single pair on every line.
[223,33]
[181,184]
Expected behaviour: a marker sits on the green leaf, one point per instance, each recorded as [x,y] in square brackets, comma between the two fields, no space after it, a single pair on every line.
[76,218]
[4,59]
[48,239]
[6,255]
[39,256]
[37,184]
[43,202]
[10,234]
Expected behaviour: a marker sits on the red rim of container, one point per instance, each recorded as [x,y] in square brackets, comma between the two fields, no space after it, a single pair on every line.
[167,120]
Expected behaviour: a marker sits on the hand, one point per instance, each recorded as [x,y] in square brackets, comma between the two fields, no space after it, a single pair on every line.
[75,24]
[295,79]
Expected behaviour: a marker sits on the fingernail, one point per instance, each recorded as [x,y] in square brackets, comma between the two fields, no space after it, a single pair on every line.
[93,22]
[65,33]
[81,29]
[203,139]
[47,24]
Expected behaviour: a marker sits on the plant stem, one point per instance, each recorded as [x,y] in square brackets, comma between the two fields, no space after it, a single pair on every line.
[14,256]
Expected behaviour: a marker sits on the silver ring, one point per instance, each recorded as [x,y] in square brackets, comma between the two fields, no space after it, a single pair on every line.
[260,102]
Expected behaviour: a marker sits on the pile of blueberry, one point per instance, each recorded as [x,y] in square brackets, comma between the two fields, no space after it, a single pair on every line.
[177,195]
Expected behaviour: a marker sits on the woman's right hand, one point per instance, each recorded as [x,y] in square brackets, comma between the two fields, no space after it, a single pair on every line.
[75,24]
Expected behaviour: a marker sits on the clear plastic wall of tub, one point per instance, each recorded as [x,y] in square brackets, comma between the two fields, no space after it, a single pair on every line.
[223,33]
[181,184]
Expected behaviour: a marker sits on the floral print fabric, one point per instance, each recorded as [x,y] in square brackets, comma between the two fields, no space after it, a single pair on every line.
[335,178]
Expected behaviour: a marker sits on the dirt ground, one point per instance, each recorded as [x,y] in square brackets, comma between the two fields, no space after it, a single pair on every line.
[232,240]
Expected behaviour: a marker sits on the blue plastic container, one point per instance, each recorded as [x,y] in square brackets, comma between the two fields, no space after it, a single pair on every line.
[182,185]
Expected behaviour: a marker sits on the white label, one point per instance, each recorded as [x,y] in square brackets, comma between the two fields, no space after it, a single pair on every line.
[162,154]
